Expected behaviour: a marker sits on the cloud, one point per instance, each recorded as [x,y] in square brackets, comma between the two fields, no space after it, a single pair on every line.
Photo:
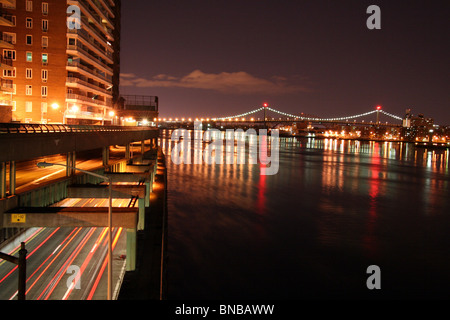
[226,82]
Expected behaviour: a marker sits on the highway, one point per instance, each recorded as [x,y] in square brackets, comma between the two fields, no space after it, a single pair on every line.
[64,263]
[29,176]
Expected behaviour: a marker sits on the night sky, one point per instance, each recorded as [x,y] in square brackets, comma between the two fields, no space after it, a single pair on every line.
[218,58]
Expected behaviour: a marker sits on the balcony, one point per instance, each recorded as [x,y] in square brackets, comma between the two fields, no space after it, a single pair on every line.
[88,57]
[6,20]
[6,42]
[94,17]
[83,34]
[75,66]
[6,86]
[76,98]
[87,85]
[8,2]
[102,13]
[6,64]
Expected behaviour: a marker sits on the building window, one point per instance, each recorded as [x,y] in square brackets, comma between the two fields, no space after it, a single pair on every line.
[44,59]
[44,91]
[29,56]
[9,73]
[29,39]
[9,54]
[29,90]
[29,6]
[44,75]
[14,106]
[44,42]
[44,107]
[29,23]
[29,73]
[45,25]
[28,106]
[9,37]
[45,8]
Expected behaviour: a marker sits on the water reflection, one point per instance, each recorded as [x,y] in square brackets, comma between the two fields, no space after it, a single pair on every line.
[334,208]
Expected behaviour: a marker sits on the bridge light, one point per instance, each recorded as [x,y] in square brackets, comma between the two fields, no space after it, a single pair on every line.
[378,107]
[265,105]
[182,119]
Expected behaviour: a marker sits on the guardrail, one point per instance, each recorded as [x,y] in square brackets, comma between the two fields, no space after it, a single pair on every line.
[58,128]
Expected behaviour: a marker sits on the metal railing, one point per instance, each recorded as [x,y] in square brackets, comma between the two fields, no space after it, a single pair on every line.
[60,128]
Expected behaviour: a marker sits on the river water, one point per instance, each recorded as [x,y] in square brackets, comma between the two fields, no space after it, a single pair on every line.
[312,230]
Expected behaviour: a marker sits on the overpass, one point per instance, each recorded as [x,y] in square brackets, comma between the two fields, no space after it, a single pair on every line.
[131,177]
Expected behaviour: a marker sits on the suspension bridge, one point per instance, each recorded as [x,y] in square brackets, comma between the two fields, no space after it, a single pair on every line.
[271,117]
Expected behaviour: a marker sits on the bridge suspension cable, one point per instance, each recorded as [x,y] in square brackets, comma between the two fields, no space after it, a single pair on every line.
[240,115]
[310,118]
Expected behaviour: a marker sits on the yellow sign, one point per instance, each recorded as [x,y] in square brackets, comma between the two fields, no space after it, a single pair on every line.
[18,218]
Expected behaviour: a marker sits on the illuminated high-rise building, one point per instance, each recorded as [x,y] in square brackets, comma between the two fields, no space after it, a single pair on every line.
[57,71]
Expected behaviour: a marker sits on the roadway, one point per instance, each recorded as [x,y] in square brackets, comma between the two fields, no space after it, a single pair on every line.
[29,176]
[54,254]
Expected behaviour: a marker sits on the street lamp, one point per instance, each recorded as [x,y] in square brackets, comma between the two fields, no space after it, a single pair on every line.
[48,164]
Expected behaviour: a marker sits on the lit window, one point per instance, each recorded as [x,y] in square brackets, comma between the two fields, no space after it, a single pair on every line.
[45,58]
[28,106]
[29,56]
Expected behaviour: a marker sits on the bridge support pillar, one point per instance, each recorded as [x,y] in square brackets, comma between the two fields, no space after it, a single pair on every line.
[127,151]
[148,189]
[71,161]
[105,156]
[131,250]
[142,146]
[12,178]
[2,179]
[141,218]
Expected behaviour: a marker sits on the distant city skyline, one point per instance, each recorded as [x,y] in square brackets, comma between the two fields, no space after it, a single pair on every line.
[222,58]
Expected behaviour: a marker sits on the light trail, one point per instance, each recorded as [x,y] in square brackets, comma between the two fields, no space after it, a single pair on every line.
[100,274]
[29,255]
[48,290]
[76,230]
